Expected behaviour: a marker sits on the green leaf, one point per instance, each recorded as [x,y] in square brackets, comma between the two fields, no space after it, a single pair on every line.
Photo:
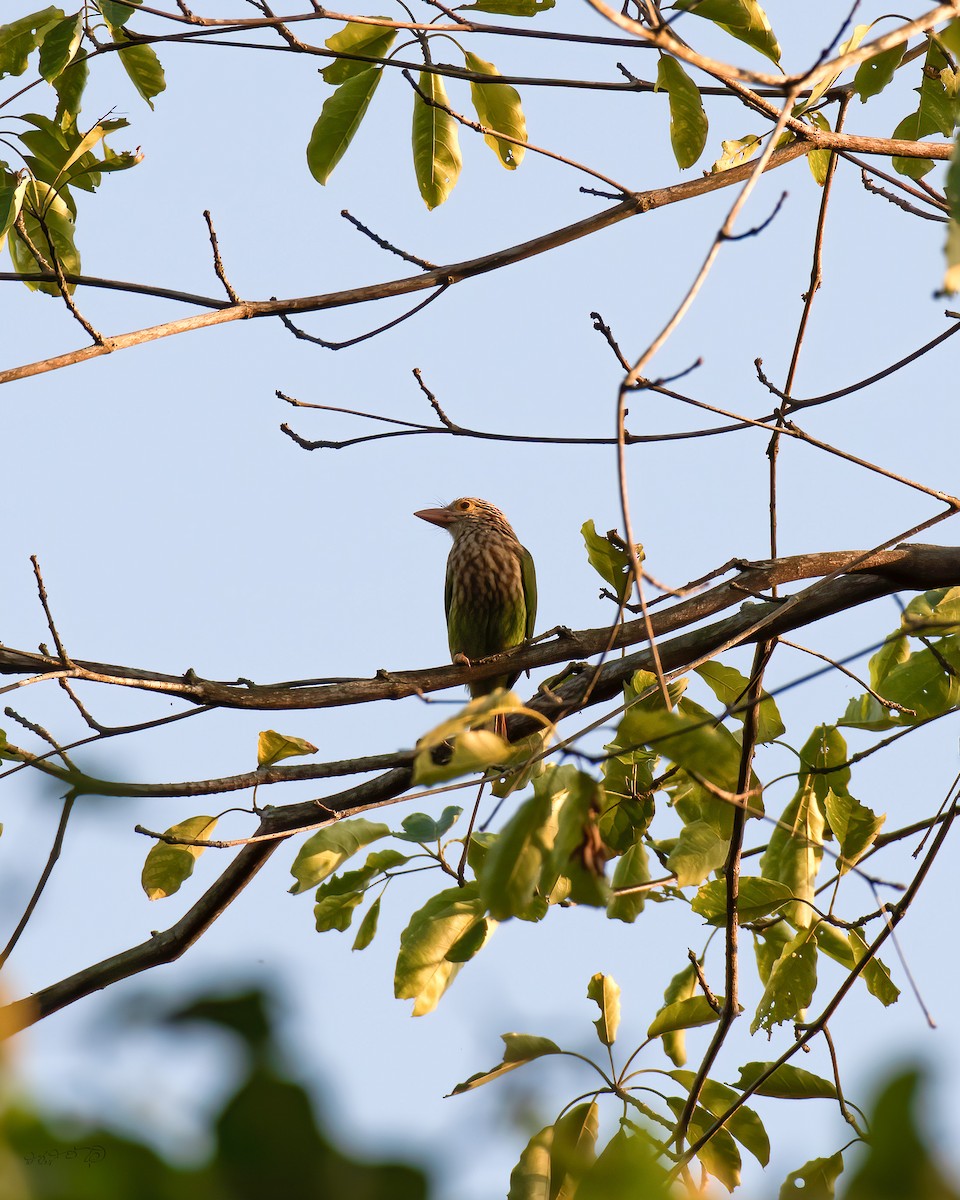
[757,898]
[684,1014]
[606,995]
[498,108]
[730,688]
[871,78]
[698,850]
[419,827]
[510,8]
[326,850]
[786,1082]
[335,911]
[574,1149]
[20,38]
[745,1125]
[12,190]
[626,1167]
[816,1179]
[436,148]
[791,985]
[681,987]
[60,44]
[519,1048]
[875,975]
[913,168]
[142,66]
[720,1156]
[339,120]
[372,41]
[938,611]
[530,1179]
[742,19]
[632,869]
[273,746]
[70,85]
[854,825]
[608,557]
[368,926]
[511,870]
[41,202]
[688,121]
[525,1047]
[819,160]
[464,744]
[166,867]
[924,684]
[825,84]
[423,971]
[472,942]
[116,13]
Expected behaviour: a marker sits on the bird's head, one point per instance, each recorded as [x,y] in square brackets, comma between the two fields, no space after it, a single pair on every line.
[465,515]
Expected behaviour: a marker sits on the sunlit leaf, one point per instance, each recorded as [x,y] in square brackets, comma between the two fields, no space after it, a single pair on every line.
[786,1082]
[626,1167]
[166,866]
[369,41]
[530,1179]
[819,160]
[436,147]
[335,911]
[609,558]
[730,688]
[757,898]
[423,971]
[719,1156]
[873,75]
[791,984]
[326,850]
[681,987]
[20,38]
[698,850]
[498,107]
[46,218]
[816,1179]
[142,66]
[519,1048]
[605,993]
[825,84]
[854,825]
[368,926]
[60,43]
[420,827]
[273,746]
[736,152]
[745,1124]
[688,121]
[339,121]
[632,870]
[117,12]
[685,1014]
[12,190]
[743,19]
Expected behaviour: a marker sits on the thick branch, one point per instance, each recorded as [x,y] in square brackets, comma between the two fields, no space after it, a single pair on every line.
[907,568]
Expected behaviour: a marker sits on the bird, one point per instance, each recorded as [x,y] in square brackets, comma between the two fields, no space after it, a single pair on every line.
[490,595]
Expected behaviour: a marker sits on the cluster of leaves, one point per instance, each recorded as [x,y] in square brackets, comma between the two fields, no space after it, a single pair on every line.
[553,850]
[361,51]
[38,211]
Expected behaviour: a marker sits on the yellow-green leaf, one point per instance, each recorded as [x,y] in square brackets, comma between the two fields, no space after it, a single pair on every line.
[742,19]
[436,148]
[142,66]
[371,41]
[498,108]
[684,1014]
[324,852]
[273,746]
[688,121]
[42,203]
[605,993]
[339,121]
[423,972]
[166,867]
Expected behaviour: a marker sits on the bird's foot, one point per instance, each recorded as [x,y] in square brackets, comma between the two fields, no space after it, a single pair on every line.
[461,660]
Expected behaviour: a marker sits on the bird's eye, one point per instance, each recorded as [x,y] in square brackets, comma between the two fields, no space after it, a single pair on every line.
[463,505]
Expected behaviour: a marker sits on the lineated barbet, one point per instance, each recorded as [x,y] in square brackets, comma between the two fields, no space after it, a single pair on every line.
[491,589]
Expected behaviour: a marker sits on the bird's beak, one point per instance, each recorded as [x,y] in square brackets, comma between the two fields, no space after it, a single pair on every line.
[436,516]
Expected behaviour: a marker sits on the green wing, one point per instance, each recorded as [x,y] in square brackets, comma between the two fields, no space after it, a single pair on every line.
[529,576]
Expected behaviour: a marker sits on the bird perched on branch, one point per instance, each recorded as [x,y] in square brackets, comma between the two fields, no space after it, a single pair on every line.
[491,589]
